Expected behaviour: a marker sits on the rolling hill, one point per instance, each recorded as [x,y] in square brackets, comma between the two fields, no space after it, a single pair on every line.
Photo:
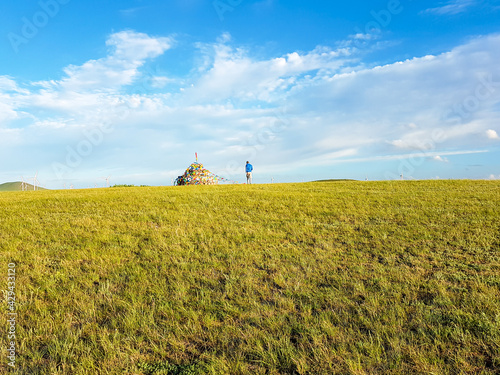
[16,186]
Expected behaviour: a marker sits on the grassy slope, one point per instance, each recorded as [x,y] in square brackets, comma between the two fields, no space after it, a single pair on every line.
[318,278]
[10,186]
[16,186]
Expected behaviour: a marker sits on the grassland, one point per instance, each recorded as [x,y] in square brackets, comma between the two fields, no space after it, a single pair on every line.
[316,278]
[17,186]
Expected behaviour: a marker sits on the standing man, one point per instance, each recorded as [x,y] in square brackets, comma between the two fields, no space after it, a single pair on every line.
[249,169]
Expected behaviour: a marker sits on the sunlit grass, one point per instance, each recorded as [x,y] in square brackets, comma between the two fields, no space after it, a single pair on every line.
[315,278]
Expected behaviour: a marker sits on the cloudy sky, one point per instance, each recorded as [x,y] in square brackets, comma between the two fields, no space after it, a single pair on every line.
[305,90]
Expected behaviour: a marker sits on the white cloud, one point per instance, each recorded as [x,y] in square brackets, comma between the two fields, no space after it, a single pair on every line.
[7,84]
[128,52]
[50,124]
[492,134]
[131,11]
[424,91]
[234,74]
[160,82]
[364,36]
[7,111]
[327,159]
[440,159]
[414,141]
[134,46]
[453,7]
[10,97]
[334,110]
[97,86]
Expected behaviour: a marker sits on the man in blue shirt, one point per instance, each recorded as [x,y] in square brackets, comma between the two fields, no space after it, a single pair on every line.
[249,169]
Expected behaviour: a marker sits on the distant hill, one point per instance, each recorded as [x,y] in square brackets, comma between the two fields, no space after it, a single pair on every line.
[335,180]
[16,186]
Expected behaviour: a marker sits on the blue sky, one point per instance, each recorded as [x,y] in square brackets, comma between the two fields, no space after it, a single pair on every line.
[305,90]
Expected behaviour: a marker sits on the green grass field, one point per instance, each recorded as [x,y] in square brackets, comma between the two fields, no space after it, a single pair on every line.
[315,278]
